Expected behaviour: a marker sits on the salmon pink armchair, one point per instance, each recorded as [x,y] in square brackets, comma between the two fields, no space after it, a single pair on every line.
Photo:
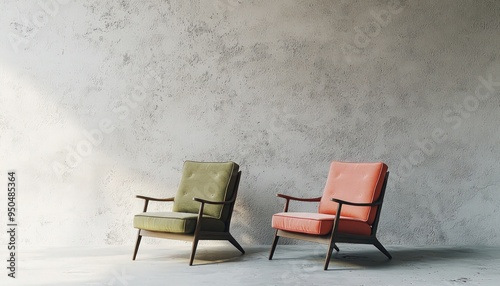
[353,190]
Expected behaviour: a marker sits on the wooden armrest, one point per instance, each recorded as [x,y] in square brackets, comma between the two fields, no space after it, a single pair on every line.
[155,199]
[357,204]
[147,199]
[290,198]
[202,206]
[212,202]
[299,199]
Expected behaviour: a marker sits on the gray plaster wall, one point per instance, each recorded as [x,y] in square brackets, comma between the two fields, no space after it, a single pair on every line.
[103,100]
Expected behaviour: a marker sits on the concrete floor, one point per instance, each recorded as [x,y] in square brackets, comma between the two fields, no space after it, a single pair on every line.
[292,265]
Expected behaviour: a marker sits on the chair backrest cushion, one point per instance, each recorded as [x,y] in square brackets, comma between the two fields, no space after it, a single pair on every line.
[354,182]
[211,181]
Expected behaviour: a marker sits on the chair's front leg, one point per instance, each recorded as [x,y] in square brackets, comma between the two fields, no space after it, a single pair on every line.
[332,237]
[139,237]
[273,247]
[196,233]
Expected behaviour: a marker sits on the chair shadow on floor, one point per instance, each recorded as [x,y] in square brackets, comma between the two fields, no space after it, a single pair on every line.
[204,256]
[347,259]
[402,257]
[357,259]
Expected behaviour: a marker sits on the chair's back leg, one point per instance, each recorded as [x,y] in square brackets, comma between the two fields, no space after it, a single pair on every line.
[235,243]
[382,248]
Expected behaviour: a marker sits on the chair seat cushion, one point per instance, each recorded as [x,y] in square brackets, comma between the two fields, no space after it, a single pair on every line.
[318,223]
[175,222]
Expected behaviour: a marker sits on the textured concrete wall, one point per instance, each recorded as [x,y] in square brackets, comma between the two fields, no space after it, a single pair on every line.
[103,100]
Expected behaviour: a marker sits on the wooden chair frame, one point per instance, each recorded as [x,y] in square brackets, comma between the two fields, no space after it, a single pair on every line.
[334,237]
[198,233]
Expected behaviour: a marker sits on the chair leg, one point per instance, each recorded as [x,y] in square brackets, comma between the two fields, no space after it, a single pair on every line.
[382,248]
[236,244]
[193,251]
[335,247]
[273,247]
[139,237]
[329,255]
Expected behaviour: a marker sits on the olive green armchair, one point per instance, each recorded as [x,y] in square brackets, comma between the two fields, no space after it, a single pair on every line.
[202,207]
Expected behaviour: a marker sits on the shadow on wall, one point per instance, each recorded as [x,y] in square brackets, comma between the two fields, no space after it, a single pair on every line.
[251,228]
